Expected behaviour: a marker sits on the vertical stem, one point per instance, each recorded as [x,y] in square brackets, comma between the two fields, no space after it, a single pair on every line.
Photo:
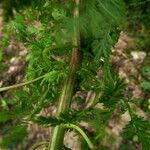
[57,138]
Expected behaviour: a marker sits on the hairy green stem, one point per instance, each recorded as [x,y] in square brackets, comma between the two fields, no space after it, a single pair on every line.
[72,126]
[20,84]
[56,140]
[64,101]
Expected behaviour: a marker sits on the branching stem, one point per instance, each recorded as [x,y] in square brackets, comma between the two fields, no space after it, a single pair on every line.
[20,84]
[72,126]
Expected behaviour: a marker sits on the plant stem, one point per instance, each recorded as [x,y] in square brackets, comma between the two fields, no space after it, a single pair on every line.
[72,126]
[56,141]
[34,147]
[20,84]
[64,101]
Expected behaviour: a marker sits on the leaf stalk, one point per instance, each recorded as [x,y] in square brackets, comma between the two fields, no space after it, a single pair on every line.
[20,84]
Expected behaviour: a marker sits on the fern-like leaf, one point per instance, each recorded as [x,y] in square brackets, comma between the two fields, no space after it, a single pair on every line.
[140,128]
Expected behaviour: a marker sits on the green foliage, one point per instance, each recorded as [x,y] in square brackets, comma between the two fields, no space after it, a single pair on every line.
[14,136]
[4,42]
[73,117]
[145,83]
[48,29]
[1,59]
[8,115]
[102,26]
[138,12]
[146,71]
[140,128]
[9,6]
[113,87]
[137,129]
[1,55]
[88,74]
[101,30]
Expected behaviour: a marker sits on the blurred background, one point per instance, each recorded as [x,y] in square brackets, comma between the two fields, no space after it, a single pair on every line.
[131,59]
